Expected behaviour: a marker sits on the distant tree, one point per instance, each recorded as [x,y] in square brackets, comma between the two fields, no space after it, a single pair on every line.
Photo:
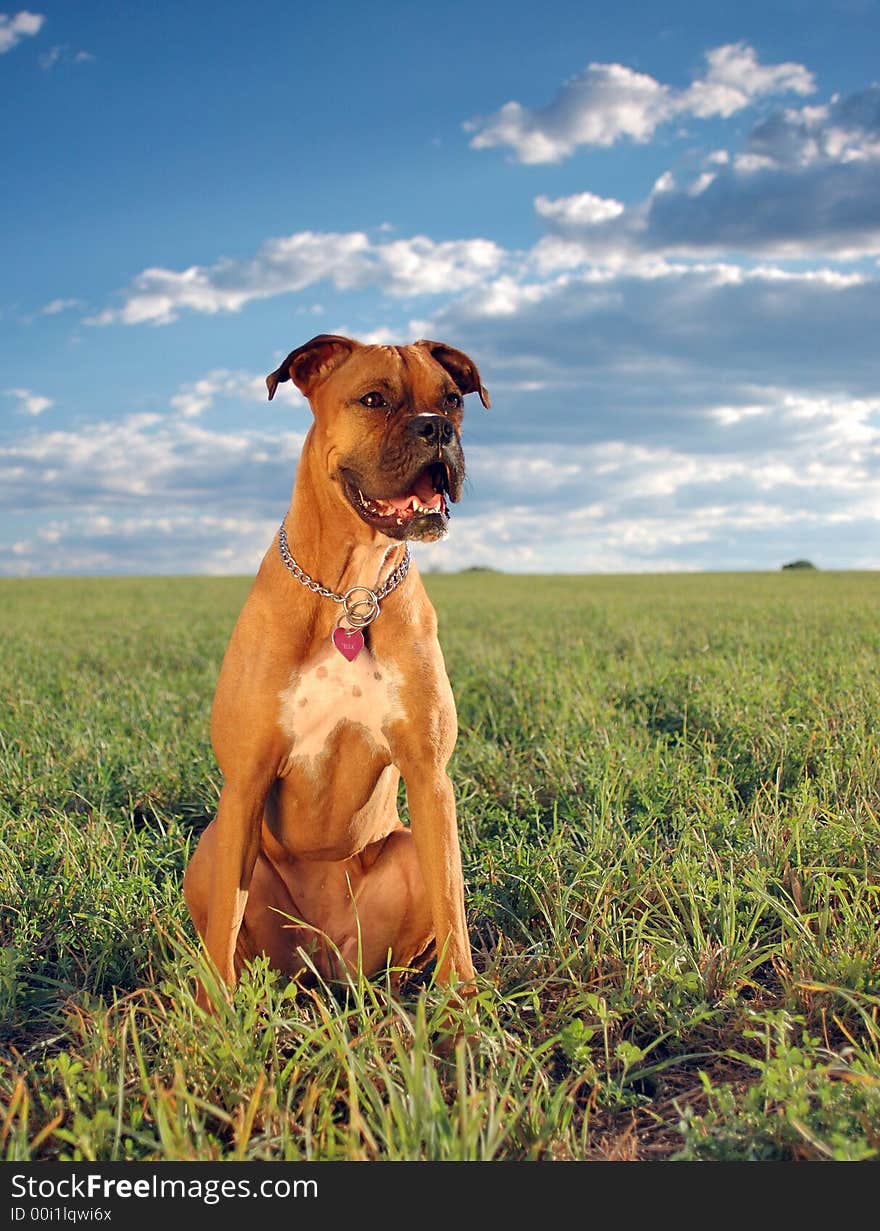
[800,564]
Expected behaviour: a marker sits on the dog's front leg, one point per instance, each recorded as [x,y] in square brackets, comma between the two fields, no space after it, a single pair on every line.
[435,832]
[233,853]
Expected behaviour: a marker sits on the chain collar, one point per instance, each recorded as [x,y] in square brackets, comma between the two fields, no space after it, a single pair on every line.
[360,604]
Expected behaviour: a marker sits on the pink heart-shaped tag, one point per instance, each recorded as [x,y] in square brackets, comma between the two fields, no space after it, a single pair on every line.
[348,641]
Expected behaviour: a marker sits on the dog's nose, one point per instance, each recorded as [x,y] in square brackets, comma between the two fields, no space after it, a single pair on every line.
[432,429]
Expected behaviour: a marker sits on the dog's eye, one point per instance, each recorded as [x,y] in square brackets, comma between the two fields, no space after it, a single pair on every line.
[452,401]
[373,400]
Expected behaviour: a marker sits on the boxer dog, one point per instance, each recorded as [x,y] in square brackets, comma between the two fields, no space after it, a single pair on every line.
[333,688]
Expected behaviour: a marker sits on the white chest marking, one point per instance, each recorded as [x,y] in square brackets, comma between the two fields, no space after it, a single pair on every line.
[330,690]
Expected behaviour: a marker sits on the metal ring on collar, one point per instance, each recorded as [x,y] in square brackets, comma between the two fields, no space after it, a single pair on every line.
[360,611]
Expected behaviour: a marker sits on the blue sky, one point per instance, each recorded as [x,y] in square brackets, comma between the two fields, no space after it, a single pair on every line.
[656,229]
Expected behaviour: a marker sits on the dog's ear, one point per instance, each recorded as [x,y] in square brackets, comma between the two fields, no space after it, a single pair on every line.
[460,367]
[310,363]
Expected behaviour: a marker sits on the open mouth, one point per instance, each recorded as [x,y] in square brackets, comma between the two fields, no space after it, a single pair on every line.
[420,511]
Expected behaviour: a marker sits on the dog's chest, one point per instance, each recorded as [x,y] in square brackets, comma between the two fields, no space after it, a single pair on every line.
[329,691]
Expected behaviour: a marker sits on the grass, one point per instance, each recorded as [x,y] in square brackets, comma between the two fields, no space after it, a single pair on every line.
[668,799]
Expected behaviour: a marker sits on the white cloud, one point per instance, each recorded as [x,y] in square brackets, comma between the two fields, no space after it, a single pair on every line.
[809,475]
[607,102]
[197,396]
[828,446]
[421,266]
[757,208]
[658,403]
[400,268]
[30,403]
[177,542]
[62,53]
[752,536]
[649,353]
[582,209]
[507,296]
[14,29]
[152,493]
[140,458]
[599,106]
[735,77]
[59,305]
[807,184]
[845,130]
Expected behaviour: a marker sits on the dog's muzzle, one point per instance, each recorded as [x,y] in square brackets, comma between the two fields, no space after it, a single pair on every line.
[416,507]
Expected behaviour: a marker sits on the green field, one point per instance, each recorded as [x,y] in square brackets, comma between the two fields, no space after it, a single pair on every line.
[669,802]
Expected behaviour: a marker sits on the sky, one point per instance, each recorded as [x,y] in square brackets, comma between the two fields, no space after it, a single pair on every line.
[654,228]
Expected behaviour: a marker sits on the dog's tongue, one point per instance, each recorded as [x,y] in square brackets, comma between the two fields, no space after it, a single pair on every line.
[423,494]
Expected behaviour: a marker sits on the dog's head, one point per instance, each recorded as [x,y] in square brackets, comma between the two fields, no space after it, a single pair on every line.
[388,426]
